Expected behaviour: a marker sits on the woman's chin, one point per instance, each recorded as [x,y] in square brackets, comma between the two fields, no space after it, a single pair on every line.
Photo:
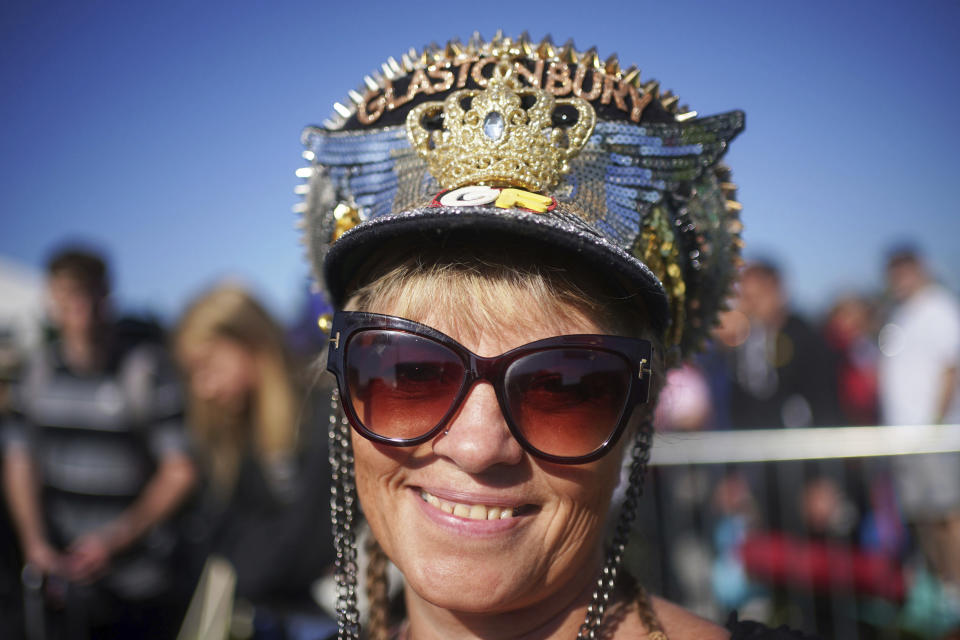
[465,587]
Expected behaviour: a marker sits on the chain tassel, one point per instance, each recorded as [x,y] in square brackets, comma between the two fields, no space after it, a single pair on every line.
[607,581]
[343,507]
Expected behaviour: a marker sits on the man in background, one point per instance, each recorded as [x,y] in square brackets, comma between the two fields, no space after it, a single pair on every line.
[920,347]
[782,376]
[94,462]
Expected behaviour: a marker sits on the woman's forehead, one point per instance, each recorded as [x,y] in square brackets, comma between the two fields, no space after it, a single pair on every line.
[467,298]
[501,324]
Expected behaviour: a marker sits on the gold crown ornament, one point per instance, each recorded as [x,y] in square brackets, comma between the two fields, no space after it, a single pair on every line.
[502,135]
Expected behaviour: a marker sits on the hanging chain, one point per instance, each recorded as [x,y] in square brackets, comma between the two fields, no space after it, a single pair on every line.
[343,507]
[640,455]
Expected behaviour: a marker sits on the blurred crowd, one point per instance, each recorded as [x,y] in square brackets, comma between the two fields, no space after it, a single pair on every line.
[782,529]
[149,471]
[145,467]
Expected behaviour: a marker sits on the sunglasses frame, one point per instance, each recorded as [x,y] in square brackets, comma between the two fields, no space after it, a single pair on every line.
[636,352]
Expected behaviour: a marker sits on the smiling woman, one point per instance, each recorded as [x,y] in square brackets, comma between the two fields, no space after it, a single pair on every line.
[517,239]
[501,507]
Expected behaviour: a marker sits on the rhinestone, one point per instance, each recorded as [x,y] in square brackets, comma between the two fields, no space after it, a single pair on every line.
[493,125]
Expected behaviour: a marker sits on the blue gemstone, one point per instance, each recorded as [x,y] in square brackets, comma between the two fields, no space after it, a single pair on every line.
[493,125]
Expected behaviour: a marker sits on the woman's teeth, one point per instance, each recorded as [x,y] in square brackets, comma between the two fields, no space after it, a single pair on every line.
[471,511]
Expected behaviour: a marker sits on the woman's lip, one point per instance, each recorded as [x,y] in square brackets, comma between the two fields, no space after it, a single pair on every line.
[464,497]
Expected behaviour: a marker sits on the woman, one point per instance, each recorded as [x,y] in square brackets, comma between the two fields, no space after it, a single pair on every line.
[243,412]
[516,237]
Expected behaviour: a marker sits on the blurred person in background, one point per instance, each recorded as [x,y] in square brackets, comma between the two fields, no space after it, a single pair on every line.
[780,376]
[95,461]
[850,332]
[262,470]
[920,346]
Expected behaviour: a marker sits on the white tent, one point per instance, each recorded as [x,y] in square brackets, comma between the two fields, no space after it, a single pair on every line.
[21,309]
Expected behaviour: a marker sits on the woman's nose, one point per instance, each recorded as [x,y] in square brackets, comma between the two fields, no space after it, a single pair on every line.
[478,437]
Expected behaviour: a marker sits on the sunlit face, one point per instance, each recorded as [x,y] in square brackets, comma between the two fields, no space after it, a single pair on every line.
[521,530]
[73,309]
[221,371]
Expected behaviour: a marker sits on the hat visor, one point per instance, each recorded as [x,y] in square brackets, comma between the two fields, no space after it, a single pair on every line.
[349,258]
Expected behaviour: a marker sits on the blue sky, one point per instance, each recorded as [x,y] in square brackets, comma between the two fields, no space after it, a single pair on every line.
[168,133]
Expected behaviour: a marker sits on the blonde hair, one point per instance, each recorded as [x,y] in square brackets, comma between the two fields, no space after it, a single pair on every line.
[476,288]
[269,426]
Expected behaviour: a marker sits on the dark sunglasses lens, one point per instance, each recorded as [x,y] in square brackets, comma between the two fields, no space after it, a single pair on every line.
[400,385]
[567,402]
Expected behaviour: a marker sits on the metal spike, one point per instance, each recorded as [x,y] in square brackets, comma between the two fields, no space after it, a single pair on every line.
[612,65]
[371,83]
[387,71]
[453,48]
[733,205]
[590,58]
[308,155]
[523,44]
[379,79]
[300,207]
[669,101]
[728,187]
[683,117]
[568,52]
[652,87]
[497,40]
[475,43]
[425,57]
[546,49]
[407,62]
[355,96]
[304,172]
[632,75]
[397,69]
[330,124]
[412,52]
[343,110]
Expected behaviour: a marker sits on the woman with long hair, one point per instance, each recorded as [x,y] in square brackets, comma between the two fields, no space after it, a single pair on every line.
[245,412]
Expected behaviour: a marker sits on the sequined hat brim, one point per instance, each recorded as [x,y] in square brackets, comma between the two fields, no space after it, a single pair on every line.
[351,255]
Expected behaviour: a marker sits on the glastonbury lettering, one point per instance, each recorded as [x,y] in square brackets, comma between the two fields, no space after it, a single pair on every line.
[558,78]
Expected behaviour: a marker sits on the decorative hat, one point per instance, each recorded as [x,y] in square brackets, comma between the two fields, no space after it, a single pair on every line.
[555,146]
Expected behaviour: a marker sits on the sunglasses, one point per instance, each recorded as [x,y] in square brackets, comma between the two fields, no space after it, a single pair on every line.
[565,399]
